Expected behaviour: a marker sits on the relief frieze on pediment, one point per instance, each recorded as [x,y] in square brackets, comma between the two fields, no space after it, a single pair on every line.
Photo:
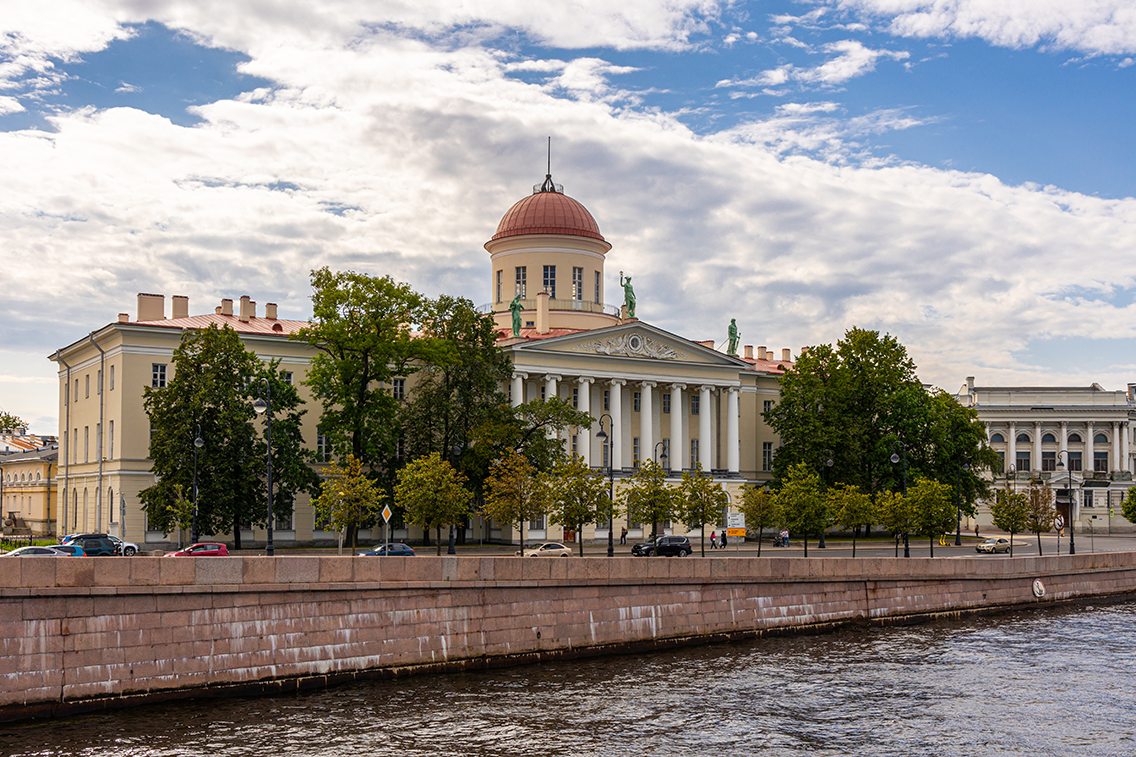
[636,345]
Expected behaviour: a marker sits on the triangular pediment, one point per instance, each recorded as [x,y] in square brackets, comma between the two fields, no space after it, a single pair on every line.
[637,340]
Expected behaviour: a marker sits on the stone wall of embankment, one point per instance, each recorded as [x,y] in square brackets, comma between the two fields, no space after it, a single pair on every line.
[77,635]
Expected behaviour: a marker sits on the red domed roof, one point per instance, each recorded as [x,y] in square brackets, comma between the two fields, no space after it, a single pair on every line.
[548,212]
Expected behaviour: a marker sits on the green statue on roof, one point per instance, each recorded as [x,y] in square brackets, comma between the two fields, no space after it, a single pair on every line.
[628,295]
[515,308]
[735,336]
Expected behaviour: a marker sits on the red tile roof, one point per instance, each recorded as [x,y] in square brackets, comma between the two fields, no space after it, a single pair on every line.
[253,326]
[548,213]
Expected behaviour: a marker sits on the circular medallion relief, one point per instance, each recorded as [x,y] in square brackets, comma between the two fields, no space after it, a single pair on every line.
[635,342]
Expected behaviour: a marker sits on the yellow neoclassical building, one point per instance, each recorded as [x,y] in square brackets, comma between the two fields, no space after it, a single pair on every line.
[657,395]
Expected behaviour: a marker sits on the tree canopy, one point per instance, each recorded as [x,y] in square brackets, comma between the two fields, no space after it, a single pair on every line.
[1010,513]
[9,422]
[760,509]
[647,498]
[347,498]
[432,494]
[700,501]
[514,492]
[576,495]
[801,503]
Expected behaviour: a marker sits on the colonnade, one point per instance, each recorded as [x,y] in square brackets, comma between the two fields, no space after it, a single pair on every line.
[1121,433]
[651,429]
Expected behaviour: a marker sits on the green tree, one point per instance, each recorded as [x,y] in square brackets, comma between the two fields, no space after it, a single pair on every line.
[1040,511]
[208,389]
[760,509]
[934,511]
[533,429]
[802,504]
[432,494]
[460,390]
[347,498]
[851,509]
[576,495]
[1127,507]
[896,513]
[9,422]
[514,492]
[700,501]
[647,498]
[1010,511]
[361,331]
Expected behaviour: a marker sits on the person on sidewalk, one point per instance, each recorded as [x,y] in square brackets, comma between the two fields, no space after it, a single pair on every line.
[713,539]
[623,535]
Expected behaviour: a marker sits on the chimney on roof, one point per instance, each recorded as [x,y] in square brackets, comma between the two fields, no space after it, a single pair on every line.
[246,309]
[970,385]
[542,312]
[180,306]
[761,353]
[707,343]
[748,352]
[124,317]
[270,311]
[151,307]
[226,307]
[787,354]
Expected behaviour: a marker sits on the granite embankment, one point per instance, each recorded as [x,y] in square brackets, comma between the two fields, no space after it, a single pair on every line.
[81,635]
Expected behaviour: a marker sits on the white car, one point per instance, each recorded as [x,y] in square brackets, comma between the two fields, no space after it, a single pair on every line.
[125,548]
[549,549]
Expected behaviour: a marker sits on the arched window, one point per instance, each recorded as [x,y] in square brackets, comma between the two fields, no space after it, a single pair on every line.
[1049,439]
[1023,437]
[1100,439]
[997,439]
[1075,438]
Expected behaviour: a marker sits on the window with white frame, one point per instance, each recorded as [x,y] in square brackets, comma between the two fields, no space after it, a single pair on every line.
[767,405]
[636,400]
[576,397]
[112,378]
[398,388]
[767,456]
[550,280]
[666,402]
[598,282]
[110,440]
[500,280]
[635,452]
[323,448]
[1023,460]
[695,404]
[1075,462]
[694,453]
[577,284]
[1100,462]
[158,375]
[575,449]
[537,524]
[287,376]
[522,281]
[607,399]
[1049,461]
[86,386]
[283,521]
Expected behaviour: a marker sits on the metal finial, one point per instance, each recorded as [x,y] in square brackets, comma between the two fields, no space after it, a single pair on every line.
[548,186]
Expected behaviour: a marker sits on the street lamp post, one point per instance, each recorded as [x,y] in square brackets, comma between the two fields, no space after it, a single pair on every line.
[263,406]
[198,443]
[610,485]
[1072,500]
[958,507]
[895,459]
[825,467]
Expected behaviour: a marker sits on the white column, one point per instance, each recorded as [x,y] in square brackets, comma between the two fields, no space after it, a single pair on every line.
[1035,463]
[616,405]
[1087,464]
[733,453]
[678,429]
[705,440]
[519,388]
[1064,437]
[1012,446]
[584,435]
[1117,464]
[550,392]
[647,421]
[1125,448]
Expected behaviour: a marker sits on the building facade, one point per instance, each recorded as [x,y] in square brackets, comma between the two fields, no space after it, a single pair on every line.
[1078,440]
[28,502]
[657,395]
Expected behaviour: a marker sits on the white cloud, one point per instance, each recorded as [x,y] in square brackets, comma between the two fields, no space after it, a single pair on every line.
[9,105]
[852,59]
[1095,27]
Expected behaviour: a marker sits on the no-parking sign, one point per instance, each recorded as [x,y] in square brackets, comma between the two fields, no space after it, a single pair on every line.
[1059,522]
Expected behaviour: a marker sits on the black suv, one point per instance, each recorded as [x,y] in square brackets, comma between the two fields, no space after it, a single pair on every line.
[95,545]
[667,546]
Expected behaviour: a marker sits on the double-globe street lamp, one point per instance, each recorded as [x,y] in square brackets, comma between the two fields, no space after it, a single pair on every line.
[895,459]
[610,484]
[958,506]
[1072,501]
[263,406]
[198,443]
[826,464]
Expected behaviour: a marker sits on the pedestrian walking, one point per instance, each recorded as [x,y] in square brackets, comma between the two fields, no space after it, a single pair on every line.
[623,535]
[723,538]
[713,539]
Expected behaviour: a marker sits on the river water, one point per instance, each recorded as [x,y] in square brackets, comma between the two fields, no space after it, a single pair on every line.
[1048,682]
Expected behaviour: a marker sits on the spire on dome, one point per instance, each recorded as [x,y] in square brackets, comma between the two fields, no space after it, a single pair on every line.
[549,185]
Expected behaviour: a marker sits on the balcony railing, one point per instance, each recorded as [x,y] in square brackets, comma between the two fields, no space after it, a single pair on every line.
[581,306]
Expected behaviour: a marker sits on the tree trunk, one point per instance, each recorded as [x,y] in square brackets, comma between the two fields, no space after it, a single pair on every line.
[439,528]
[932,540]
[236,532]
[1039,544]
[760,531]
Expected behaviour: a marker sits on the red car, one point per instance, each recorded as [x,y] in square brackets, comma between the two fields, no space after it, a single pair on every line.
[202,550]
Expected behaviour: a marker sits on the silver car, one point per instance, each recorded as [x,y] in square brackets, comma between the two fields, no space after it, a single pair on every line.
[992,545]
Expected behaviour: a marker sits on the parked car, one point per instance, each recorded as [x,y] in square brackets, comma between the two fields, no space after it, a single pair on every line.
[96,545]
[36,552]
[992,545]
[72,549]
[666,546]
[392,550]
[125,548]
[548,549]
[204,549]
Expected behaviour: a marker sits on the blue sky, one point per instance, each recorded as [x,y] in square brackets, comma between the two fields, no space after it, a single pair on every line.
[954,172]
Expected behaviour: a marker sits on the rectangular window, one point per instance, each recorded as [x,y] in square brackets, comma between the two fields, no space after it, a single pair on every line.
[86,444]
[76,390]
[99,382]
[550,280]
[695,404]
[636,400]
[607,399]
[1075,462]
[694,453]
[112,378]
[1100,462]
[537,525]
[522,284]
[606,454]
[666,451]
[1088,498]
[287,376]
[576,397]
[635,452]
[767,456]
[598,280]
[158,375]
[575,450]
[1049,461]
[98,442]
[767,405]
[110,441]
[1023,461]
[283,521]
[75,437]
[323,448]
[578,284]
[66,393]
[398,388]
[400,447]
[500,279]
[666,403]
[543,389]
[86,386]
